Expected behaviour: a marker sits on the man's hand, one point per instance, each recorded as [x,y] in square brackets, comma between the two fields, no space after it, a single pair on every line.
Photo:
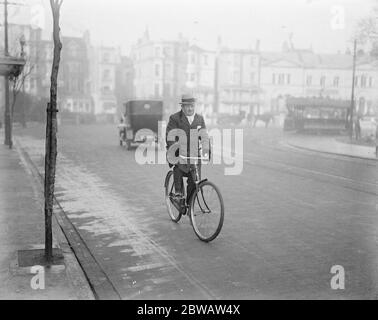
[205,154]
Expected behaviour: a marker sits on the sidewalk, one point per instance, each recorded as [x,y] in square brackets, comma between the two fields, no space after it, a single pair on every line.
[329,144]
[22,228]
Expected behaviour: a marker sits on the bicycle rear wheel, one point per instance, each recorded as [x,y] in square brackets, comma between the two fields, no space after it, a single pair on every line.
[207,211]
[173,212]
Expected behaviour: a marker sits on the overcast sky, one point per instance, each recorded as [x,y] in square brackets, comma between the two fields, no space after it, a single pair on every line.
[326,25]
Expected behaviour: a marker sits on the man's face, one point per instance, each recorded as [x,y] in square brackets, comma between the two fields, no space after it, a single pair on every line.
[188,109]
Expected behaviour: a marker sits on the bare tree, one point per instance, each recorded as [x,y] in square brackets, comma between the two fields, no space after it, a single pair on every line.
[51,129]
[367,30]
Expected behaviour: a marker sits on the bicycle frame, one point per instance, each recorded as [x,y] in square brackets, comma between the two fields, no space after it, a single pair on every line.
[197,180]
[197,204]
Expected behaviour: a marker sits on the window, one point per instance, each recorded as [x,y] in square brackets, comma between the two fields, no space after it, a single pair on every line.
[281,78]
[105,57]
[370,82]
[157,52]
[236,76]
[205,62]
[236,60]
[363,81]
[322,81]
[167,89]
[356,81]
[157,70]
[73,49]
[192,77]
[336,81]
[252,77]
[167,70]
[309,80]
[192,58]
[157,90]
[106,75]
[288,78]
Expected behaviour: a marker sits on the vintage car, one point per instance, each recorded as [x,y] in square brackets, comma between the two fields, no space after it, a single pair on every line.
[141,121]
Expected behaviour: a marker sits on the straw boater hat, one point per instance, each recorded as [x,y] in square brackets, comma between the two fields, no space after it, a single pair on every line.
[187,99]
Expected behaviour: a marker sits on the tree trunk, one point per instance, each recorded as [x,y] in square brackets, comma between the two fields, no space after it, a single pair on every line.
[51,129]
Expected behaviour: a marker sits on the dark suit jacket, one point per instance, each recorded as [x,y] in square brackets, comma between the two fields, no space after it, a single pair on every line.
[180,121]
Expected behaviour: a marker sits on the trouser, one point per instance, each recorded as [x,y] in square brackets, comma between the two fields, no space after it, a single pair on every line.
[178,175]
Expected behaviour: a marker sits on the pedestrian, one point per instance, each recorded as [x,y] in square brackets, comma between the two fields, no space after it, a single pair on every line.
[122,130]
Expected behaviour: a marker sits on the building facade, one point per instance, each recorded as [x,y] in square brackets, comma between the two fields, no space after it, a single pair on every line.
[74,92]
[238,81]
[124,89]
[302,73]
[103,74]
[160,70]
[200,78]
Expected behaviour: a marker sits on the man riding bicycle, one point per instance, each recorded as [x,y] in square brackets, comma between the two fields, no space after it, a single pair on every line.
[185,130]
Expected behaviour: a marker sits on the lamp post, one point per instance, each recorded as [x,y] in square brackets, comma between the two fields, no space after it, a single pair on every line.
[7,113]
[353,85]
[23,54]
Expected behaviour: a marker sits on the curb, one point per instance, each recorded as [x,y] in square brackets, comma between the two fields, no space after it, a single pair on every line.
[73,270]
[93,276]
[331,153]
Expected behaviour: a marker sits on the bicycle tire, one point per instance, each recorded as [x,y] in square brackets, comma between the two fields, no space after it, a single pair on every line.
[173,213]
[195,216]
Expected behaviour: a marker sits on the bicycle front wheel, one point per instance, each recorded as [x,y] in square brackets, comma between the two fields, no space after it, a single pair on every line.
[173,211]
[207,211]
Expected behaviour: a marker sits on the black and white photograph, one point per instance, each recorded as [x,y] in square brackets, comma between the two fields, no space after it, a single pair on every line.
[188,155]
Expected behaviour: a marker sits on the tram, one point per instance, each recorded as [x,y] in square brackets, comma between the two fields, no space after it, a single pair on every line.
[317,115]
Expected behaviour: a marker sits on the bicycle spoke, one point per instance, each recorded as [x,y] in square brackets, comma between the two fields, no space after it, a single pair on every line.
[207,212]
[173,208]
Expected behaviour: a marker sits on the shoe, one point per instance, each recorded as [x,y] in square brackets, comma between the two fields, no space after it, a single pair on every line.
[179,202]
[183,209]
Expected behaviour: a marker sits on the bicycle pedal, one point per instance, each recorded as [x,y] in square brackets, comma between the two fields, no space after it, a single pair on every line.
[184,210]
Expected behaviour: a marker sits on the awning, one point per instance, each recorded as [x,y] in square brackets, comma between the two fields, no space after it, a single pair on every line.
[11,66]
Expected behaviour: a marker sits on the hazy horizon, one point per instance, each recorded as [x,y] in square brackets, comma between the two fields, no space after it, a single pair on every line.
[326,26]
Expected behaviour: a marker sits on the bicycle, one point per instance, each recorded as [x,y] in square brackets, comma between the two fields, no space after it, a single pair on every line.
[205,206]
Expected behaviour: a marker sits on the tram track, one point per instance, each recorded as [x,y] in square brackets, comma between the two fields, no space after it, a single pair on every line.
[262,161]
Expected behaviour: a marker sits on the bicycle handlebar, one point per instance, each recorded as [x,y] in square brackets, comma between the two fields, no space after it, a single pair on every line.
[194,158]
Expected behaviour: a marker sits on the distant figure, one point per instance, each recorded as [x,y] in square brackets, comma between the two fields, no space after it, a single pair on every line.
[265,117]
[357,128]
[122,129]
